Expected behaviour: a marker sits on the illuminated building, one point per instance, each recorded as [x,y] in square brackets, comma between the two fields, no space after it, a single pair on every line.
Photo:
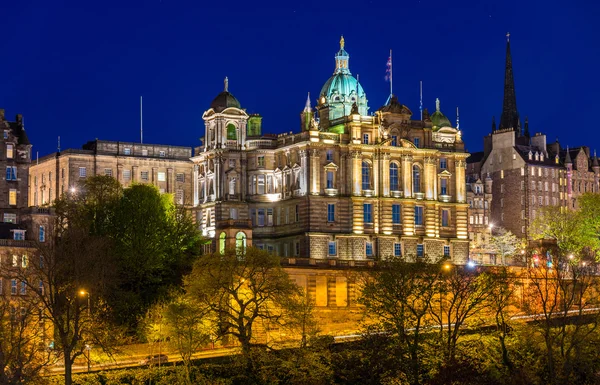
[346,186]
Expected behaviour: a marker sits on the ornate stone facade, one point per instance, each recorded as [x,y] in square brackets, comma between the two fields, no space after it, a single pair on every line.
[347,186]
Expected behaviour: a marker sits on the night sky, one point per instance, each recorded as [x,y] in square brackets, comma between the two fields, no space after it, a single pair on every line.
[77,68]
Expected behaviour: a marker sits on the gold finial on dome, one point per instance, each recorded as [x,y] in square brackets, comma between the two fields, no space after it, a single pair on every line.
[342,42]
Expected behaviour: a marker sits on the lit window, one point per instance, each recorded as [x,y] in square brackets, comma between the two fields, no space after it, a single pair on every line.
[446,251]
[10,151]
[10,218]
[42,234]
[419,215]
[15,260]
[416,179]
[82,172]
[12,197]
[397,249]
[330,212]
[368,213]
[269,217]
[501,174]
[126,174]
[329,179]
[108,171]
[261,184]
[162,177]
[445,218]
[366,175]
[144,152]
[161,154]
[396,214]
[127,151]
[394,177]
[332,248]
[420,250]
[443,163]
[369,249]
[24,261]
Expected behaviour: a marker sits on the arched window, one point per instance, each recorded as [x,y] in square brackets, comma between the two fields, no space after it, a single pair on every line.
[366,175]
[394,177]
[240,243]
[231,132]
[416,179]
[222,243]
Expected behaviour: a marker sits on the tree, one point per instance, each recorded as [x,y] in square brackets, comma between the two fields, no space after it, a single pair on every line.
[240,290]
[399,294]
[22,350]
[504,243]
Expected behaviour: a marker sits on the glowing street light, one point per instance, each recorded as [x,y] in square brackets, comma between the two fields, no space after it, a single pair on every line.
[471,264]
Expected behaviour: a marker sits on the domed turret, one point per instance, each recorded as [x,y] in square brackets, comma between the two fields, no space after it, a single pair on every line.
[439,120]
[224,100]
[342,90]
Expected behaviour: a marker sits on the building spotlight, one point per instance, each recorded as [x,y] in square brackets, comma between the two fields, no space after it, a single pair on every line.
[471,264]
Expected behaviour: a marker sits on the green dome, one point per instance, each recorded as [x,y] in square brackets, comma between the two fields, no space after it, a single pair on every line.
[439,120]
[342,88]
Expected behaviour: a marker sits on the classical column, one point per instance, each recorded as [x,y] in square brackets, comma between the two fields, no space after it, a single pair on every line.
[206,190]
[461,182]
[170,180]
[134,173]
[195,186]
[407,175]
[376,170]
[305,171]
[356,172]
[155,176]
[315,175]
[428,177]
[385,175]
[218,178]
[341,176]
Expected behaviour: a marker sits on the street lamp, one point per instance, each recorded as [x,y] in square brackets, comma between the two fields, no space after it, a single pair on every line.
[88,348]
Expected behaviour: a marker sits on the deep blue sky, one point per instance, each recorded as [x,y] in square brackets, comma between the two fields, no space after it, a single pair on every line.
[77,68]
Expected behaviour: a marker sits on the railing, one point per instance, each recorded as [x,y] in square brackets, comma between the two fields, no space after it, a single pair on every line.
[240,223]
[335,138]
[327,263]
[260,143]
[445,198]
[419,195]
[397,194]
[331,191]
[14,243]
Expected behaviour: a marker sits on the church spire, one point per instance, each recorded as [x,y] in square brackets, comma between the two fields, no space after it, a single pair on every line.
[510,116]
[307,107]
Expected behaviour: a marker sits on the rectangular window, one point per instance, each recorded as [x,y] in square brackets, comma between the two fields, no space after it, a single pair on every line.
[15,260]
[330,212]
[5,134]
[365,138]
[12,197]
[24,261]
[369,249]
[501,174]
[144,152]
[144,175]
[443,186]
[10,218]
[261,161]
[396,214]
[126,174]
[41,287]
[397,249]
[180,177]
[297,250]
[446,251]
[127,151]
[13,286]
[233,213]
[42,234]
[420,250]
[108,171]
[82,172]
[261,184]
[261,217]
[11,173]
[23,288]
[443,163]
[329,179]
[368,213]
[179,197]
[162,177]
[231,163]
[416,141]
[329,154]
[297,213]
[419,215]
[332,248]
[445,218]
[269,217]
[394,140]
[161,154]
[10,151]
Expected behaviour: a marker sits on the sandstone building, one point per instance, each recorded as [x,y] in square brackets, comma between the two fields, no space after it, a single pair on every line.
[348,185]
[167,167]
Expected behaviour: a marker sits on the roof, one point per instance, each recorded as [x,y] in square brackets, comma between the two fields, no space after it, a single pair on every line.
[548,160]
[475,157]
[5,230]
[19,131]
[395,107]
[224,100]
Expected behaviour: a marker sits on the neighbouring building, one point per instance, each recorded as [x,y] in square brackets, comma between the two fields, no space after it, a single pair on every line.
[167,167]
[527,172]
[479,198]
[348,185]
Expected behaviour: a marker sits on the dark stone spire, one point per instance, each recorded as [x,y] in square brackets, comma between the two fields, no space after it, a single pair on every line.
[510,116]
[568,157]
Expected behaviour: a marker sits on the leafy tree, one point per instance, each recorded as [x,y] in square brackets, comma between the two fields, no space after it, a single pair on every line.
[504,243]
[399,294]
[241,290]
[22,342]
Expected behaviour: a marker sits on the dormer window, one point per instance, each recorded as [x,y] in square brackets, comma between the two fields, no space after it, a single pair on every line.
[541,157]
[556,159]
[530,155]
[537,156]
[18,235]
[5,134]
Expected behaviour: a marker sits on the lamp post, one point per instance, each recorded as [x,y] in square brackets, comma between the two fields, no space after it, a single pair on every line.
[491,227]
[88,348]
[447,266]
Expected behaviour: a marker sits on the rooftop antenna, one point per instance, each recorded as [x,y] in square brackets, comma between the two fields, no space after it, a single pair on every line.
[37,157]
[141,122]
[58,144]
[457,120]
[421,101]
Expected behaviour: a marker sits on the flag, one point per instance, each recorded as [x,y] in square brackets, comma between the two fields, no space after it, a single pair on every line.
[388,70]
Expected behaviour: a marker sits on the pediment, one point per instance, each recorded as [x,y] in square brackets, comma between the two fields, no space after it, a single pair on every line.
[445,173]
[330,166]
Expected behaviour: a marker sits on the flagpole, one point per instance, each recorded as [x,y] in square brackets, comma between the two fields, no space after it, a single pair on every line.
[391,78]
[421,95]
[141,122]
